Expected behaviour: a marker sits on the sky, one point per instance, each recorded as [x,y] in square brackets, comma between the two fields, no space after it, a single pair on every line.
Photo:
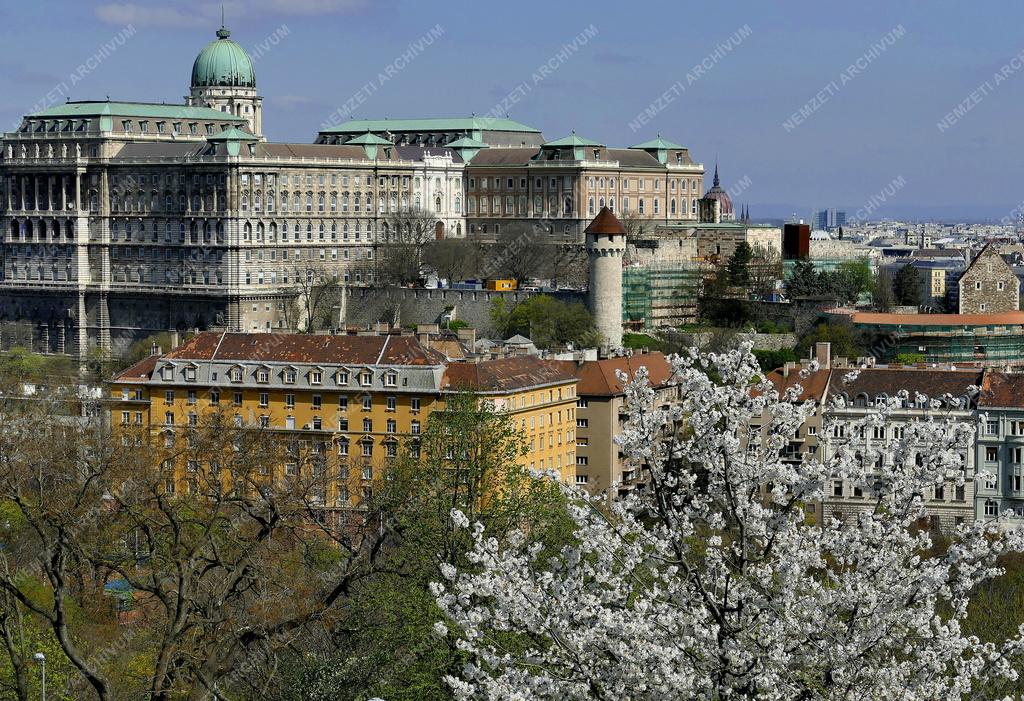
[882,108]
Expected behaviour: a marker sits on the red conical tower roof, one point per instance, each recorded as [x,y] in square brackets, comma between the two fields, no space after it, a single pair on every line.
[605,223]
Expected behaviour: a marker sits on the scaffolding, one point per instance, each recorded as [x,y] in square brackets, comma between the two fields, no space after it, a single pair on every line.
[659,296]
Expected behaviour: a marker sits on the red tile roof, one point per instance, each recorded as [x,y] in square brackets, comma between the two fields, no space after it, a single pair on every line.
[605,223]
[812,387]
[296,348]
[1001,389]
[928,381]
[141,370]
[505,374]
[1004,319]
[598,378]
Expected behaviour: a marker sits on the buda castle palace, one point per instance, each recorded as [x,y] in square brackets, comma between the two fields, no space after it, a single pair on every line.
[123,219]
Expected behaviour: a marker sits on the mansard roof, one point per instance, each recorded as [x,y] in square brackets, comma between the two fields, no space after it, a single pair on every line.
[133,109]
[453,124]
[256,348]
[506,374]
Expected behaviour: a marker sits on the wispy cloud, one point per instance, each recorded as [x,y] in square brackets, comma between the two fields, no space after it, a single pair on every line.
[182,14]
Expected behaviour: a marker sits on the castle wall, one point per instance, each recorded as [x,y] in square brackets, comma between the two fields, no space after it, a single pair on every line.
[402,306]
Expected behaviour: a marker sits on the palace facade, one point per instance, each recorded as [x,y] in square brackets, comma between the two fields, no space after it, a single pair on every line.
[119,220]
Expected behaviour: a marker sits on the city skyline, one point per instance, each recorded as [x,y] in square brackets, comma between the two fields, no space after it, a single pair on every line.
[830,113]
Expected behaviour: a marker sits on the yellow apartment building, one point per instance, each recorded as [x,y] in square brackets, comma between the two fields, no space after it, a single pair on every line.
[352,400]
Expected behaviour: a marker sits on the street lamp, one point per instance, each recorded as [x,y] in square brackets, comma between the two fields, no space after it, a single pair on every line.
[41,659]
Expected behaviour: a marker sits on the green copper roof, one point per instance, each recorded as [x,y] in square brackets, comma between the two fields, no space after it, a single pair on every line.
[134,109]
[457,124]
[368,139]
[232,134]
[223,62]
[466,142]
[658,143]
[572,140]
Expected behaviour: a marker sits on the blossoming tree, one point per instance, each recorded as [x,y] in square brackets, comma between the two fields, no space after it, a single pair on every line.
[711,583]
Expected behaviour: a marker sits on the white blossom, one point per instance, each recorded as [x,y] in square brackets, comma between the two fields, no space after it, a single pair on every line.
[706,584]
[459,519]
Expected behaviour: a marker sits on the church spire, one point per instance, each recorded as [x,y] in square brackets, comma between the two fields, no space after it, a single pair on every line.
[715,183]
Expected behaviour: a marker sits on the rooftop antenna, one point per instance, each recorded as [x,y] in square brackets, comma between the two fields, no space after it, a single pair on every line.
[222,15]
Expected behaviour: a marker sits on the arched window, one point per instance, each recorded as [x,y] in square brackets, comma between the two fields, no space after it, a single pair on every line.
[334,202]
[247,236]
[334,231]
[320,202]
[245,203]
[321,231]
[437,204]
[309,232]
[309,201]
[458,205]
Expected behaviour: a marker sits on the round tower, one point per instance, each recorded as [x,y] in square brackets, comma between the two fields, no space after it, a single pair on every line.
[606,247]
[223,79]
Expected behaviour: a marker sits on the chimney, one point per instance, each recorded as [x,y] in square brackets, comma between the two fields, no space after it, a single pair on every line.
[467,336]
[174,339]
[822,353]
[154,349]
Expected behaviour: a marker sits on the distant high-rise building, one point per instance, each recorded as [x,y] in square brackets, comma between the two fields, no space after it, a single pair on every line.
[829,219]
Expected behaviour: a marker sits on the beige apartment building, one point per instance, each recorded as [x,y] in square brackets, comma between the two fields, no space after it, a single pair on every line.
[601,414]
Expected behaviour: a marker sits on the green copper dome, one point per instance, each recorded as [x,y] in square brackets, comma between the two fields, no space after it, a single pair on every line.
[223,62]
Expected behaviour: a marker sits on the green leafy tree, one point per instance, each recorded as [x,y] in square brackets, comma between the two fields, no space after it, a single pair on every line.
[850,280]
[909,358]
[738,265]
[547,321]
[773,359]
[386,645]
[804,281]
[882,294]
[844,342]
[719,304]
[906,286]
